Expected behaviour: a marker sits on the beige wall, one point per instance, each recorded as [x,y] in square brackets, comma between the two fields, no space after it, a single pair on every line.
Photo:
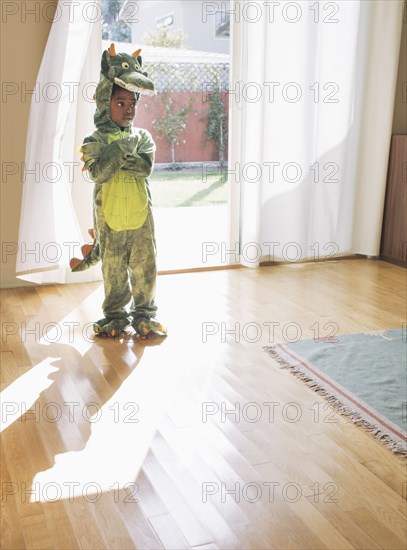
[23,39]
[400,104]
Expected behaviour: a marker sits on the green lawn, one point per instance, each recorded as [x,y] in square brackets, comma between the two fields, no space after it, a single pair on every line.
[186,187]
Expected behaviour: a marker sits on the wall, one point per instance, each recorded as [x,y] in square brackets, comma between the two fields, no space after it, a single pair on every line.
[189,15]
[200,27]
[400,104]
[24,31]
[192,145]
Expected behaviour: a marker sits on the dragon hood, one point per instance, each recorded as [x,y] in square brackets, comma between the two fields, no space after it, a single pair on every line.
[126,71]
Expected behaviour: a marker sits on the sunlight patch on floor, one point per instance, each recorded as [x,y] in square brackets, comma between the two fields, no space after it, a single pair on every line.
[75,329]
[21,394]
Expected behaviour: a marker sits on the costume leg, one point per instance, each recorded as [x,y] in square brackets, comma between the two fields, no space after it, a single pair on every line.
[143,273]
[143,270]
[113,252]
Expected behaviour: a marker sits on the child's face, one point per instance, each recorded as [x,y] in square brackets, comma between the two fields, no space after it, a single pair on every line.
[122,107]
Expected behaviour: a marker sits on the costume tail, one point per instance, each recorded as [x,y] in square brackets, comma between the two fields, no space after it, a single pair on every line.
[90,253]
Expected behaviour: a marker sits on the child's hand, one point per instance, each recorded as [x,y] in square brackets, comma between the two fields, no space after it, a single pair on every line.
[90,153]
[128,145]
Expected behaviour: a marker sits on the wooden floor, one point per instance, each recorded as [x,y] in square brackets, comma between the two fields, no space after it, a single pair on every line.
[114,444]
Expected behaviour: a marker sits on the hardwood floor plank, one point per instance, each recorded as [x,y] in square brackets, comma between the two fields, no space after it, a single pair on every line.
[171,459]
[150,500]
[392,477]
[35,532]
[207,547]
[240,521]
[225,487]
[86,529]
[138,526]
[11,534]
[59,527]
[169,533]
[195,534]
[380,531]
[8,369]
[343,522]
[376,497]
[110,522]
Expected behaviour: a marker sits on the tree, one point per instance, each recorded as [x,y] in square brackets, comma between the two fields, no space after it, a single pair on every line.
[171,123]
[216,124]
[165,38]
[112,27]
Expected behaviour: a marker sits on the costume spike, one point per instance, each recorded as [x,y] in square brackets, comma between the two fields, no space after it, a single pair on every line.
[136,53]
[112,50]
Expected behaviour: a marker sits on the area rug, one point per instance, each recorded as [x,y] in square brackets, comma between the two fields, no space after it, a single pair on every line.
[362,375]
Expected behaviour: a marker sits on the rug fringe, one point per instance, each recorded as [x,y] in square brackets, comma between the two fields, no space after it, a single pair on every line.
[355,417]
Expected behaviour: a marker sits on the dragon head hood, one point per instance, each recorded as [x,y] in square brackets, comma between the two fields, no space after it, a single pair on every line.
[124,70]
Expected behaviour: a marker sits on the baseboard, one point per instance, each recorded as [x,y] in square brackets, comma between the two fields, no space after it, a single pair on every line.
[394,261]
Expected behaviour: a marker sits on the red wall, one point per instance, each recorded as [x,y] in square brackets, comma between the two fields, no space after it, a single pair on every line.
[196,148]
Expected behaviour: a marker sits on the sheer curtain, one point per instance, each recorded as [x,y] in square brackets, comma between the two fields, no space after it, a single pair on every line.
[312,95]
[56,205]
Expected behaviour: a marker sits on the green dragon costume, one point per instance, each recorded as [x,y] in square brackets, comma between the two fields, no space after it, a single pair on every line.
[119,160]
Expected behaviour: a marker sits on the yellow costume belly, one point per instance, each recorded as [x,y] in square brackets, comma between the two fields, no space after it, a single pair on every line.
[125,202]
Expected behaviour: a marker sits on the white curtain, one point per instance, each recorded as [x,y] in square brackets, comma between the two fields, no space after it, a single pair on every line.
[51,226]
[312,95]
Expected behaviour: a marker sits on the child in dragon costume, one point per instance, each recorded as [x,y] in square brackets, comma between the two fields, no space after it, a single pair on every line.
[120,158]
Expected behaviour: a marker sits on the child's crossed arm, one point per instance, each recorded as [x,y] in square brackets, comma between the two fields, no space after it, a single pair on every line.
[133,154]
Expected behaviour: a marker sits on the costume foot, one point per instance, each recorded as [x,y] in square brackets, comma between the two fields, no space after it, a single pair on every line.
[110,327]
[148,328]
[90,253]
